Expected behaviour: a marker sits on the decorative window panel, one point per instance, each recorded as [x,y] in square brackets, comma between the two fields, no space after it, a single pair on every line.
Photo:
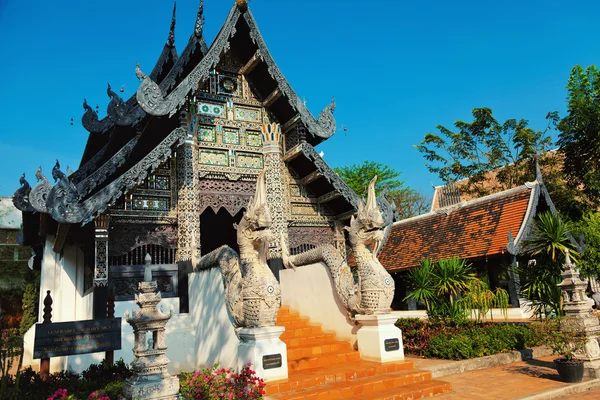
[248,114]
[206,133]
[254,139]
[211,109]
[150,203]
[304,209]
[248,160]
[214,157]
[231,136]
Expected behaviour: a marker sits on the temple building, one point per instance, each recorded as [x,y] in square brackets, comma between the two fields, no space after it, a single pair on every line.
[488,232]
[169,172]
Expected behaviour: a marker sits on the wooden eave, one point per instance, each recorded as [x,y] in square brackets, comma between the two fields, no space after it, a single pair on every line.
[322,181]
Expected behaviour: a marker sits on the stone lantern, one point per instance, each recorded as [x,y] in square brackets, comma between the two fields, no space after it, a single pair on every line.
[150,379]
[575,305]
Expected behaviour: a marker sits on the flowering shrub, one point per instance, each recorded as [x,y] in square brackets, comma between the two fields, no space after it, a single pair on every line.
[214,383]
[62,394]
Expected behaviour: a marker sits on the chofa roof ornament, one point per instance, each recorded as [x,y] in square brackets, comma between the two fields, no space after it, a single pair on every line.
[171,37]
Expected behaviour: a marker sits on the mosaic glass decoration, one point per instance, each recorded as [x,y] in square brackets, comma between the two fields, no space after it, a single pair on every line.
[247,114]
[162,183]
[254,139]
[246,160]
[212,109]
[228,85]
[231,136]
[206,133]
[214,157]
[295,191]
[150,203]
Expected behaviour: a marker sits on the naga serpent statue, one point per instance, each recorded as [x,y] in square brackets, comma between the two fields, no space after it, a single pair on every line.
[374,291]
[252,293]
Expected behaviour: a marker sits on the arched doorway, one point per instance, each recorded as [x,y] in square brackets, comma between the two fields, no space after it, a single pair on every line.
[217,230]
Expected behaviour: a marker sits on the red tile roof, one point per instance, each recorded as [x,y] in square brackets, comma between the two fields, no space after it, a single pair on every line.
[477,228]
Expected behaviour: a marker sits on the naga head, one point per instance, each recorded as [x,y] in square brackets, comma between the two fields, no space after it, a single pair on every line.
[367,228]
[254,228]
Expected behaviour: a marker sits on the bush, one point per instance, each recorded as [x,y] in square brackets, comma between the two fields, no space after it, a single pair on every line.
[108,378]
[214,383]
[482,341]
[417,334]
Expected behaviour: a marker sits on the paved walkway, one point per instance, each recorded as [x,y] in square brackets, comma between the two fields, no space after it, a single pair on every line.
[511,381]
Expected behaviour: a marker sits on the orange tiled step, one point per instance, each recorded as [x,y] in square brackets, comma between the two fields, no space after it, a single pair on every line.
[413,391]
[312,330]
[308,351]
[322,338]
[335,373]
[321,367]
[323,360]
[399,382]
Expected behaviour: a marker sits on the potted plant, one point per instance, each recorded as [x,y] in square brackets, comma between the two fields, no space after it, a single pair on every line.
[566,337]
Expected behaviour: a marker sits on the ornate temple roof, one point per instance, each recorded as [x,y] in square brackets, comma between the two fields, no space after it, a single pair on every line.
[240,34]
[141,133]
[485,227]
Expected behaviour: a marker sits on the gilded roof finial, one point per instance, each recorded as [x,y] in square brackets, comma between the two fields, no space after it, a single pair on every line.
[242,4]
[199,20]
[171,39]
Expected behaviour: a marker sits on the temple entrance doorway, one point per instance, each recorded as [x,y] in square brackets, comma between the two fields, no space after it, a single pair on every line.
[217,230]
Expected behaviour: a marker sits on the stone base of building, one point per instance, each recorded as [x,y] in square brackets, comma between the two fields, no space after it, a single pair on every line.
[379,339]
[267,353]
[165,388]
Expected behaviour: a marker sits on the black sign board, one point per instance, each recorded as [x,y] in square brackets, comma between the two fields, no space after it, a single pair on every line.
[76,337]
[272,361]
[391,344]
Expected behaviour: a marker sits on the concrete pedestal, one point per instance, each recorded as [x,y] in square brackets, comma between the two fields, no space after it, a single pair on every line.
[267,353]
[161,388]
[379,339]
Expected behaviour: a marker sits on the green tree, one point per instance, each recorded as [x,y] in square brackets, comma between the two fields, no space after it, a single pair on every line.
[484,145]
[409,202]
[589,261]
[579,137]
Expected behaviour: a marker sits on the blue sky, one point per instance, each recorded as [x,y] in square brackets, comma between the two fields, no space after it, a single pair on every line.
[396,68]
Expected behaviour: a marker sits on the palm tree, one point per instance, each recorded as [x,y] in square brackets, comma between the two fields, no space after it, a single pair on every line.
[548,242]
[453,276]
[421,282]
[550,237]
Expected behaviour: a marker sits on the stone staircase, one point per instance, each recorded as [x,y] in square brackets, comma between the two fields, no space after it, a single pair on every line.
[322,367]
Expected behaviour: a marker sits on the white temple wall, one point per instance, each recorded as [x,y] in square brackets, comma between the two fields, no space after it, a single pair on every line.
[62,274]
[310,291]
[201,338]
[216,340]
